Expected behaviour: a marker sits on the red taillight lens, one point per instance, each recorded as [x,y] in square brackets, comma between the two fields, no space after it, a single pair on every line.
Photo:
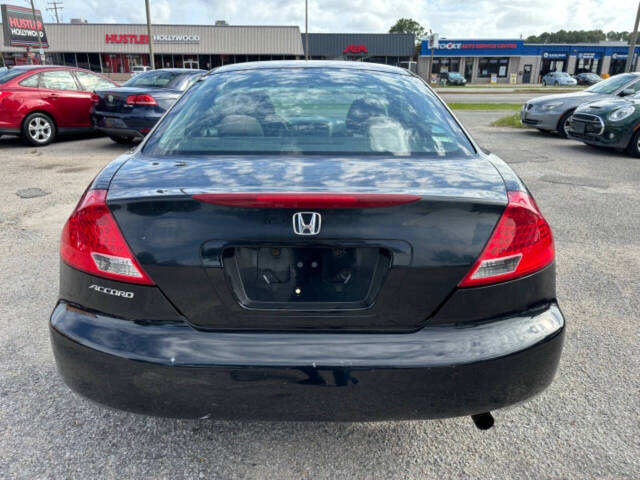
[92,242]
[305,200]
[141,100]
[95,98]
[521,243]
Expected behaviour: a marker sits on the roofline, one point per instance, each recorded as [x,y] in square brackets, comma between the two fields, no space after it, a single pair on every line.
[169,25]
[357,33]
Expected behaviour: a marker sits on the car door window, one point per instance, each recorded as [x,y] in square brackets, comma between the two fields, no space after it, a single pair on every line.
[91,82]
[634,86]
[31,81]
[58,80]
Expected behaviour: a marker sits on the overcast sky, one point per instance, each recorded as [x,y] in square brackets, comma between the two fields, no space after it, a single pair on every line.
[461,19]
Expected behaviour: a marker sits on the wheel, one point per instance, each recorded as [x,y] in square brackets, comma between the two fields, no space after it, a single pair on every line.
[563,123]
[556,83]
[544,83]
[123,140]
[38,129]
[634,145]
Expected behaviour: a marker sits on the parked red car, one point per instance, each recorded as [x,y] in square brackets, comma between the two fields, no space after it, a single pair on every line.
[40,102]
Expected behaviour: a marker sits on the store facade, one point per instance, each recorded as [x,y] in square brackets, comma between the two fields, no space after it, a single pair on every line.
[114,49]
[505,61]
[388,48]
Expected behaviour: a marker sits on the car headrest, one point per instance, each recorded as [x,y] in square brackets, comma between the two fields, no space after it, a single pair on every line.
[239,126]
[360,112]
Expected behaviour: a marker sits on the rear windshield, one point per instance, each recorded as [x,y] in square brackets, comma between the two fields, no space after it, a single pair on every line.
[309,111]
[11,73]
[152,79]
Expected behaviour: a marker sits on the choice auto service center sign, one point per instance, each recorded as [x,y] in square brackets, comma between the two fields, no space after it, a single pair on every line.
[20,28]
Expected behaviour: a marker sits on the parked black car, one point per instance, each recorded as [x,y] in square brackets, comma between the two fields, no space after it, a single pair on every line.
[588,78]
[308,240]
[131,111]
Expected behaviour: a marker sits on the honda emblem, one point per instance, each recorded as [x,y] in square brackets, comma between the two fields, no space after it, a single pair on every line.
[306,223]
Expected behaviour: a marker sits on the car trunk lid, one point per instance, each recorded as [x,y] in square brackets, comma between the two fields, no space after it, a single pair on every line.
[369,267]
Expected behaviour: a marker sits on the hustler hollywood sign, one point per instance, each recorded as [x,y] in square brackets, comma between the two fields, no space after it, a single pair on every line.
[132,38]
[22,28]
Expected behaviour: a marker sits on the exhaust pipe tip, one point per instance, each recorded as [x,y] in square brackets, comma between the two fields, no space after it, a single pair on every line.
[483,421]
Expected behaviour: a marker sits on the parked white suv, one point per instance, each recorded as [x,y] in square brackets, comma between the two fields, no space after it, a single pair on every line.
[136,69]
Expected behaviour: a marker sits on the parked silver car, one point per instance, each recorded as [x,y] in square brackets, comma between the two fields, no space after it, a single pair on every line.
[553,112]
[559,78]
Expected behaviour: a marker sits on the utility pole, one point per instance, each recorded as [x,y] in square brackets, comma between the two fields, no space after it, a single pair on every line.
[35,20]
[151,59]
[632,44]
[55,6]
[433,37]
[306,29]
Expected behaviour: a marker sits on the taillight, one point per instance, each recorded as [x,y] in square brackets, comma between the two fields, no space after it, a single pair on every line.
[520,244]
[95,98]
[306,200]
[141,100]
[92,242]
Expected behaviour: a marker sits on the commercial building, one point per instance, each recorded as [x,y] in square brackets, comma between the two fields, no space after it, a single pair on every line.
[504,61]
[115,48]
[388,48]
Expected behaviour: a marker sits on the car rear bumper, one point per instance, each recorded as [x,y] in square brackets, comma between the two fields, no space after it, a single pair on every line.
[120,132]
[124,125]
[176,371]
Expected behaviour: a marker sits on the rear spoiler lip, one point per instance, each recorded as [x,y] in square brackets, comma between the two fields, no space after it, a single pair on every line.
[146,194]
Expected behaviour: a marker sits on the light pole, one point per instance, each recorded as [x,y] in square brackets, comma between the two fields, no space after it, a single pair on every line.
[151,59]
[41,50]
[306,29]
[632,44]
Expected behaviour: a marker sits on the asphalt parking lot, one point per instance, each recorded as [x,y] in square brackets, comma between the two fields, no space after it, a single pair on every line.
[586,425]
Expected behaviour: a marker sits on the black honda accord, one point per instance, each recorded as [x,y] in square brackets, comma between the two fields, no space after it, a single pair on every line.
[308,241]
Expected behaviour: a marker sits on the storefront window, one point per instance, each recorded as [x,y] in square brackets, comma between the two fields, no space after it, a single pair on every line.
[94,62]
[588,65]
[443,65]
[112,63]
[205,62]
[617,65]
[490,66]
[83,60]
[70,59]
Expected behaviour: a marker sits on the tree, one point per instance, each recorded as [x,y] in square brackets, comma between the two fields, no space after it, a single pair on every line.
[570,36]
[408,25]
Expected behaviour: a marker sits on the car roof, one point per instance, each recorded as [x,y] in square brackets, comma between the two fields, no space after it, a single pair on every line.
[178,70]
[27,68]
[326,64]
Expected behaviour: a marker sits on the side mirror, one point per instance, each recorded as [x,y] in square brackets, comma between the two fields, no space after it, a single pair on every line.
[626,92]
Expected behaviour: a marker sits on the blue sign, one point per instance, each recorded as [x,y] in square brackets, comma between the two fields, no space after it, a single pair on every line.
[589,55]
[554,55]
[477,48]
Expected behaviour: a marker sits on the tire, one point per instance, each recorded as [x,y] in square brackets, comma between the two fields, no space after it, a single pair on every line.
[633,148]
[38,129]
[122,140]
[556,84]
[544,83]
[562,123]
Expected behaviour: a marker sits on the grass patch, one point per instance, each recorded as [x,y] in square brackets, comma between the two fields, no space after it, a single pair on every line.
[512,121]
[485,106]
